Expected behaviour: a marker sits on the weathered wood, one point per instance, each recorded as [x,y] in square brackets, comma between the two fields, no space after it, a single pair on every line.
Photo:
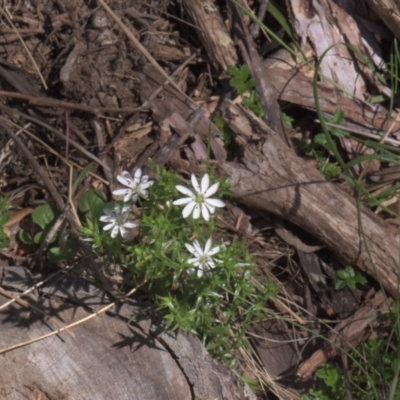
[295,87]
[389,12]
[212,32]
[327,26]
[273,178]
[106,358]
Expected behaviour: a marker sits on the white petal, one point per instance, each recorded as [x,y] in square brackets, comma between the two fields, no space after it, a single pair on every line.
[205,183]
[183,200]
[198,248]
[188,209]
[143,192]
[134,198]
[211,190]
[126,209]
[199,273]
[215,202]
[109,226]
[145,185]
[210,208]
[129,195]
[137,176]
[114,232]
[213,251]
[121,192]
[130,225]
[193,261]
[125,178]
[196,212]
[124,232]
[184,190]
[210,264]
[190,248]
[195,183]
[207,247]
[107,218]
[204,212]
[108,212]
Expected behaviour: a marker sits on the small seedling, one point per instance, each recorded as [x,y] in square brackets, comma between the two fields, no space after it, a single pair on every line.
[348,277]
[44,217]
[243,84]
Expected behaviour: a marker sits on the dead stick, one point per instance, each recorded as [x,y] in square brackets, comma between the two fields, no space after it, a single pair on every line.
[48,102]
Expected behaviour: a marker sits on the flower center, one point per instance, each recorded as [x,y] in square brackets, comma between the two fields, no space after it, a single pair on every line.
[119,220]
[203,260]
[199,199]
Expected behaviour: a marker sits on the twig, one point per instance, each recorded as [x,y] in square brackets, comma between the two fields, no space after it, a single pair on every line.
[145,104]
[140,47]
[55,131]
[265,90]
[70,163]
[360,132]
[25,47]
[32,160]
[53,103]
[255,30]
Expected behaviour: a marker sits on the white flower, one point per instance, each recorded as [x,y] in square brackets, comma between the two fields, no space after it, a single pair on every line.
[202,258]
[117,221]
[137,186]
[199,201]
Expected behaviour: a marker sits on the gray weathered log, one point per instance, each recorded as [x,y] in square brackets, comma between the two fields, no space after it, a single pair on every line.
[106,358]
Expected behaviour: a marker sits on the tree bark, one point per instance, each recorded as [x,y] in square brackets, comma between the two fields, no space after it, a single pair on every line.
[212,32]
[273,178]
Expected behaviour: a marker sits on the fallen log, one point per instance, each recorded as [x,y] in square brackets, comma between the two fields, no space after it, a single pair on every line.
[102,358]
[271,177]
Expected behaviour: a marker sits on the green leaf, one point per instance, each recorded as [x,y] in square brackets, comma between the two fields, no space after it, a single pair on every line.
[90,199]
[320,138]
[240,80]
[81,176]
[25,237]
[45,215]
[338,117]
[287,121]
[233,70]
[331,170]
[56,255]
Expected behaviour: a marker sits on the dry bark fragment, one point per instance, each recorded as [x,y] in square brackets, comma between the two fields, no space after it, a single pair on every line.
[296,88]
[212,32]
[326,25]
[389,12]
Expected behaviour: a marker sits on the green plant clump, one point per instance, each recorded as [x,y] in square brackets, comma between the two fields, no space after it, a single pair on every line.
[4,214]
[196,280]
